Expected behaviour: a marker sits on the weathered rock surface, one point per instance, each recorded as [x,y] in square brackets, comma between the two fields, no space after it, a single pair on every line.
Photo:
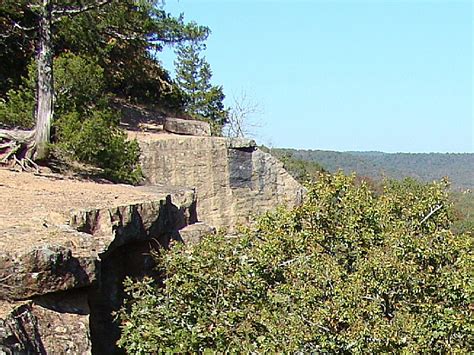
[62,264]
[233,179]
[33,329]
[187,127]
[193,233]
[66,246]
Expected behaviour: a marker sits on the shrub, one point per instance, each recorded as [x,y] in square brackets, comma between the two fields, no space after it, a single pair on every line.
[347,271]
[97,139]
[79,84]
[18,108]
[84,127]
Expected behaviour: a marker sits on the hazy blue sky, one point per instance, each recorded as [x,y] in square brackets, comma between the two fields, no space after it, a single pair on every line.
[393,76]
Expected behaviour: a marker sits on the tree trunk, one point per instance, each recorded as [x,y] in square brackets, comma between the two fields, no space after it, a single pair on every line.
[45,88]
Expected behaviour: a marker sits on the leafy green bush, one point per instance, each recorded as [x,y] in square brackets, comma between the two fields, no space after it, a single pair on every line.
[347,271]
[18,108]
[79,84]
[98,140]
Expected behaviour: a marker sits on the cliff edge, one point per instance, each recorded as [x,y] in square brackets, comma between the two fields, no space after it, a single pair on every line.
[66,245]
[65,248]
[233,179]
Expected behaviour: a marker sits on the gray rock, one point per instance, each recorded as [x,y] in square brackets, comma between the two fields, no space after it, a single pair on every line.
[233,179]
[187,127]
[193,233]
[62,271]
[42,270]
[29,328]
[240,143]
[60,288]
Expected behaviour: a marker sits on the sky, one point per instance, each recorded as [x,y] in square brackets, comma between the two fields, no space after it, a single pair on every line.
[345,75]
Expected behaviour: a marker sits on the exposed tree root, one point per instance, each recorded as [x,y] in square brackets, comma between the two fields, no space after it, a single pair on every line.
[17,148]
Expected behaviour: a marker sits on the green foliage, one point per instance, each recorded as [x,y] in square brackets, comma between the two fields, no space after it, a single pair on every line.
[347,271]
[193,74]
[122,35]
[79,84]
[17,109]
[16,47]
[85,128]
[301,170]
[97,139]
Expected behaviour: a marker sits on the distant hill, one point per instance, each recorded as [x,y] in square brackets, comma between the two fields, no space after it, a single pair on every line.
[459,167]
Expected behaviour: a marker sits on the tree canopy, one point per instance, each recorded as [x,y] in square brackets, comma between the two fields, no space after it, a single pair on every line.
[122,35]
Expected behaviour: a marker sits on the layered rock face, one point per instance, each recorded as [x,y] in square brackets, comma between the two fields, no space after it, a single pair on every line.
[62,262]
[233,179]
[66,246]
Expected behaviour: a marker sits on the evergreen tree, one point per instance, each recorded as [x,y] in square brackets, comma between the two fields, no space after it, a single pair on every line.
[193,74]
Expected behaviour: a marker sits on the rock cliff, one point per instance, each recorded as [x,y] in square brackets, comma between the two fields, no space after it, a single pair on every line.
[233,179]
[67,245]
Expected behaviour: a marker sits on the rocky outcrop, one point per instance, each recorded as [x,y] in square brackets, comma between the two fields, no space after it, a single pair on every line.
[233,179]
[59,326]
[187,127]
[66,246]
[60,285]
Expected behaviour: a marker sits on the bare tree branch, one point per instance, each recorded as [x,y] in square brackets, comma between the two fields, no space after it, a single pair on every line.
[23,28]
[240,116]
[433,211]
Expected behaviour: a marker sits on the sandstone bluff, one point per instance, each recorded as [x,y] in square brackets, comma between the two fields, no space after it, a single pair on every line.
[67,245]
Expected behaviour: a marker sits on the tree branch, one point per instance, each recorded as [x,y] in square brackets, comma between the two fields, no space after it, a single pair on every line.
[118,35]
[75,10]
[22,28]
[433,211]
[17,134]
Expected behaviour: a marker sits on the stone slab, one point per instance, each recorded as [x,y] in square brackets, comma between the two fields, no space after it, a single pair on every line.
[187,127]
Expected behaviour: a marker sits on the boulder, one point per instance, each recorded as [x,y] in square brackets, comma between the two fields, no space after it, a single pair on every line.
[241,143]
[187,127]
[193,233]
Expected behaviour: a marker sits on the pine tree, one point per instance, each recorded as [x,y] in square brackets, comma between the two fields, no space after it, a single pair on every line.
[193,75]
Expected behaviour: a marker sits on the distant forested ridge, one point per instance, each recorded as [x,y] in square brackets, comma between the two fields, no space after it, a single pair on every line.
[458,167]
